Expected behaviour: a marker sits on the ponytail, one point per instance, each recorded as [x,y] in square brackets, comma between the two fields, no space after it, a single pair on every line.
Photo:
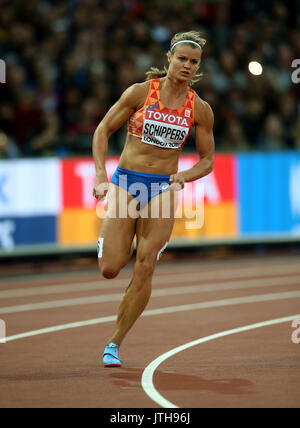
[155,73]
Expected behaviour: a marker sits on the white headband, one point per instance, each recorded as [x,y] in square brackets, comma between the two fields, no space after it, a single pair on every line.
[187,41]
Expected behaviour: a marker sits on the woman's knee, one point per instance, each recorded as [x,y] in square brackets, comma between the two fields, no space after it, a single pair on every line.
[109,270]
[145,265]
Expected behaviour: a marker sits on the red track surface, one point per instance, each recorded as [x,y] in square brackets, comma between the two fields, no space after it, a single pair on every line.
[258,368]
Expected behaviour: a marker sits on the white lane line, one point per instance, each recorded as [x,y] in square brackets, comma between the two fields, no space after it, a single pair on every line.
[171,291]
[162,311]
[162,267]
[148,373]
[157,280]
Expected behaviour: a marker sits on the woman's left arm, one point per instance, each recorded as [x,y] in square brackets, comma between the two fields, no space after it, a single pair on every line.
[204,140]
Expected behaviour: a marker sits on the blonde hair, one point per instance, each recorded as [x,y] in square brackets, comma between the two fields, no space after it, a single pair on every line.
[194,36]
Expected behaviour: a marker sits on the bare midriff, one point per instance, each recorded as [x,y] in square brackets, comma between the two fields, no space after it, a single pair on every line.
[142,157]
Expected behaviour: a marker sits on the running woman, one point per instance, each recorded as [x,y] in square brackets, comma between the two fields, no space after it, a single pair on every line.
[160,112]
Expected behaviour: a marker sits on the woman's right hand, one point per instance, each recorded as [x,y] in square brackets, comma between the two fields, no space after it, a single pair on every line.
[100,186]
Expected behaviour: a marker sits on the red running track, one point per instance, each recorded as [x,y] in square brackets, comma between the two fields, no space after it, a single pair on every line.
[191,300]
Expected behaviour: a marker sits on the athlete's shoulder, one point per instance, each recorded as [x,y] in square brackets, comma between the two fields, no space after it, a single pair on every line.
[135,93]
[203,112]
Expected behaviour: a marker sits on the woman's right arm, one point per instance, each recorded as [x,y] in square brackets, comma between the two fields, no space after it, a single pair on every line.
[112,121]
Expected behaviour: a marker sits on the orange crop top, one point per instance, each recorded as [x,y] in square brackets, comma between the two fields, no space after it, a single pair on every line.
[160,126]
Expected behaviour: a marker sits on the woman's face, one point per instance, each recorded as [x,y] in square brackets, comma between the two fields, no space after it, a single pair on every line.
[184,62]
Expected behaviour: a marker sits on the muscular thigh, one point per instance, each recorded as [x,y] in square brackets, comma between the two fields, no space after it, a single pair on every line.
[153,231]
[116,233]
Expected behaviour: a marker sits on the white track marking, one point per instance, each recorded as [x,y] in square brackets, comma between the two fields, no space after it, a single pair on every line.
[147,376]
[161,311]
[157,280]
[208,270]
[171,291]
[60,328]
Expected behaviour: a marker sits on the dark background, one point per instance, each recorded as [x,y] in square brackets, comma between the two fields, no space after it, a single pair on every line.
[68,61]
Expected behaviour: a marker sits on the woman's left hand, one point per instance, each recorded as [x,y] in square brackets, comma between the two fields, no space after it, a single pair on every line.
[176,181]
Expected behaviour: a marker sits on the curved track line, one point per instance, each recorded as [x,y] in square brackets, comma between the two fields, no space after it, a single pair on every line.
[161,292]
[160,311]
[148,373]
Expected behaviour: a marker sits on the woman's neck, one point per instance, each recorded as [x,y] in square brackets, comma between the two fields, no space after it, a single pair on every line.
[174,86]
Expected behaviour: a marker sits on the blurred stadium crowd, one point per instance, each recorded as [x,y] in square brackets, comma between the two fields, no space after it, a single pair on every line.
[68,61]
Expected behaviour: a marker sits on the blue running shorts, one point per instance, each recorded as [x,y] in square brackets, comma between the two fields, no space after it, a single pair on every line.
[141,185]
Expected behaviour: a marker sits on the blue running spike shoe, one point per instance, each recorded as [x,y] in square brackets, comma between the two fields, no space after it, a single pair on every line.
[111,356]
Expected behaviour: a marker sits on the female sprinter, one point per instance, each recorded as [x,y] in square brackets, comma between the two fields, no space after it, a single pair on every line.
[161,113]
